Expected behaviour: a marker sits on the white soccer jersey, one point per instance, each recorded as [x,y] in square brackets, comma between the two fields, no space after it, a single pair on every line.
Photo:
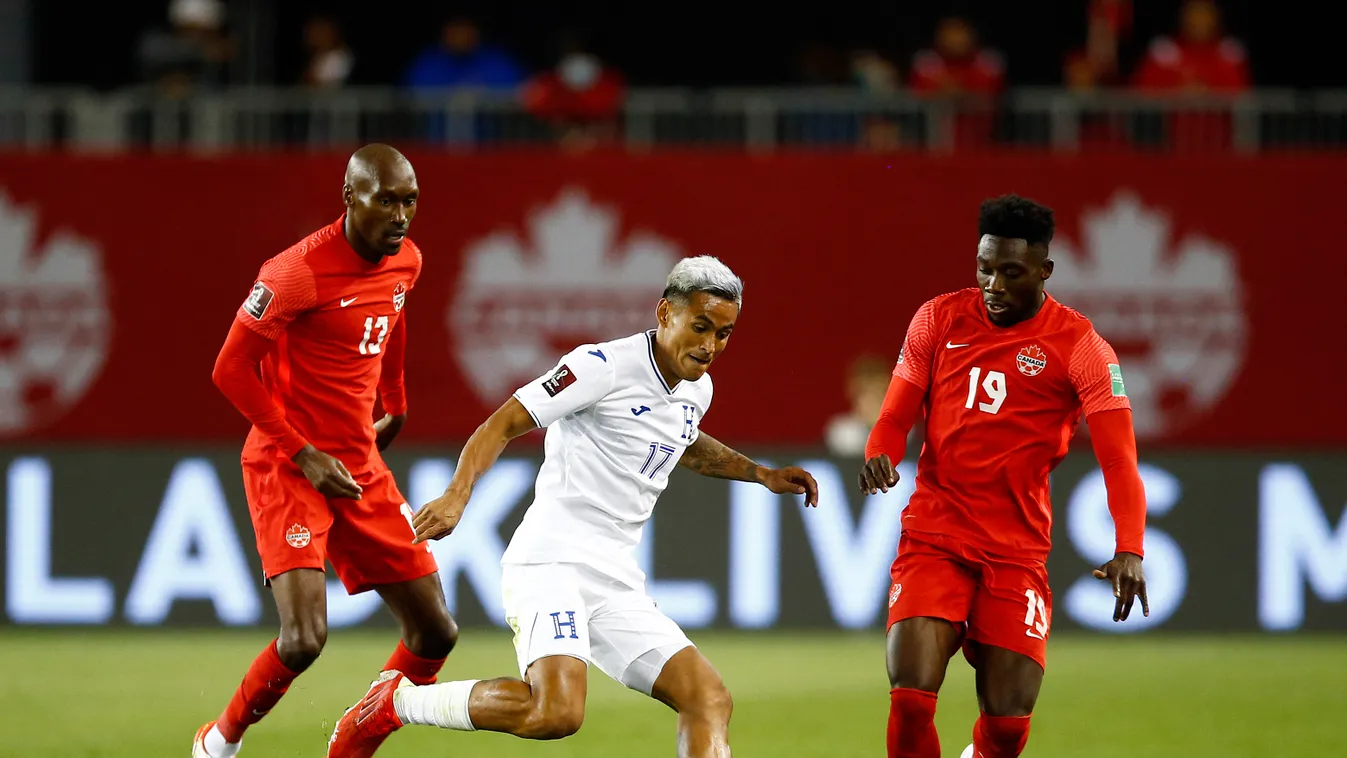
[615,431]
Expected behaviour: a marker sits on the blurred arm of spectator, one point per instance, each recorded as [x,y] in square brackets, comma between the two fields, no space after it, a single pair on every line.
[330,59]
[1200,59]
[957,64]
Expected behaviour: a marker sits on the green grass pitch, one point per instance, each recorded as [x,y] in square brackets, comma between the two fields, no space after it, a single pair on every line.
[126,694]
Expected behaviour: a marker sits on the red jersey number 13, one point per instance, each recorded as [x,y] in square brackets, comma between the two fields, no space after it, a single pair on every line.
[371,323]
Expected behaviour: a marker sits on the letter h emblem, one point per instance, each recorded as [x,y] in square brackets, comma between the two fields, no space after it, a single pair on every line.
[558,624]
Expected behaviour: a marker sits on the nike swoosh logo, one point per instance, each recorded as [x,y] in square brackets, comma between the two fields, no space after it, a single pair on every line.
[952,345]
[345,302]
[639,411]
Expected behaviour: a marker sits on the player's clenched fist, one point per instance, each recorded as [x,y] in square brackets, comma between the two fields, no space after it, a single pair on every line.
[878,475]
[439,517]
[327,474]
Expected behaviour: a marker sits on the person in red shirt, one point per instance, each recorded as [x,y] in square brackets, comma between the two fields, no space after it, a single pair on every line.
[1003,372]
[321,334]
[1202,59]
[959,67]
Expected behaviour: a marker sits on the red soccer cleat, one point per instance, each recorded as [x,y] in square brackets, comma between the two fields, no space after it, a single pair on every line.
[365,725]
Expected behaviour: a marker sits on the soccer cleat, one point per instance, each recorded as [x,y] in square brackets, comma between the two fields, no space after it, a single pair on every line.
[199,742]
[967,752]
[365,725]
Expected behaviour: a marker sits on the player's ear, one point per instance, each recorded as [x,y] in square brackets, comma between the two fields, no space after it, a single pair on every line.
[662,311]
[1047,269]
[347,195]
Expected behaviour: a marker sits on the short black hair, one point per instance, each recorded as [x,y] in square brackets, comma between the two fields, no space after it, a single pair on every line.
[1016,217]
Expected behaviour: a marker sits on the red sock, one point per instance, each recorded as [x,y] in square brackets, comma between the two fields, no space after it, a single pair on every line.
[419,670]
[264,684]
[1000,736]
[912,724]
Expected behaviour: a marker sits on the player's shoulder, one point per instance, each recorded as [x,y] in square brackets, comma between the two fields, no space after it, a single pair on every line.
[949,303]
[302,254]
[412,258]
[1070,318]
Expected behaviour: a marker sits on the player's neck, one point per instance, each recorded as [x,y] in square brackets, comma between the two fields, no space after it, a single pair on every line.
[671,379]
[358,245]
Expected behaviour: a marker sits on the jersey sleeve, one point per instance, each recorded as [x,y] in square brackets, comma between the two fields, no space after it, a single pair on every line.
[392,385]
[582,378]
[285,288]
[914,359]
[1096,375]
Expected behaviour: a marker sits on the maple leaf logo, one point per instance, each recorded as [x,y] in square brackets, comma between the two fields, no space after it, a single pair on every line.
[521,303]
[54,320]
[1173,309]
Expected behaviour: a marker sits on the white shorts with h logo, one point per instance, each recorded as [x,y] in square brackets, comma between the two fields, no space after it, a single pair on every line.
[570,609]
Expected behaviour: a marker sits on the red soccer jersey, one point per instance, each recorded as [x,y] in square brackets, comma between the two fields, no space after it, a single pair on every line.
[1001,406]
[331,313]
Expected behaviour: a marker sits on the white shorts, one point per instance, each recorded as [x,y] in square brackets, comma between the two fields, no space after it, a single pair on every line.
[570,609]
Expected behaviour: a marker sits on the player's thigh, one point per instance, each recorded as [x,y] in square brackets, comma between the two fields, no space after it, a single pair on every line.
[1008,631]
[546,611]
[929,601]
[292,522]
[371,540]
[631,639]
[301,603]
[1008,682]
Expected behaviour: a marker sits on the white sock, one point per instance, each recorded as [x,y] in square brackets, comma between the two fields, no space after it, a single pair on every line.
[216,747]
[444,705]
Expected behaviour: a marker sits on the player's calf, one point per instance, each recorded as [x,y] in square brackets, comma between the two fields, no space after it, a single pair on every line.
[690,685]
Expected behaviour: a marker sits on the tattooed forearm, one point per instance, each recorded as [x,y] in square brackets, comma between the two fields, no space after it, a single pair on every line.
[709,457]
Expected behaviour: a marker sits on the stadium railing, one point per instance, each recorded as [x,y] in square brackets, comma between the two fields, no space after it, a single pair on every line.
[754,119]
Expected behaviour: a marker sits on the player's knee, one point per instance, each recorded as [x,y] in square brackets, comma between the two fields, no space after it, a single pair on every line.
[300,644]
[916,677]
[554,719]
[715,703]
[435,637]
[1014,701]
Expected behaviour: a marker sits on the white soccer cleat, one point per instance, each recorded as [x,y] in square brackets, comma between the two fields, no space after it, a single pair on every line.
[199,742]
[967,752]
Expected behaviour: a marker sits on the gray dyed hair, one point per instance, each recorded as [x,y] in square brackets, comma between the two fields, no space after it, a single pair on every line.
[704,273]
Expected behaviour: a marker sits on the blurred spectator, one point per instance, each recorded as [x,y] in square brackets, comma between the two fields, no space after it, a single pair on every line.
[330,59]
[1201,59]
[873,72]
[1096,64]
[461,59]
[194,52]
[957,64]
[847,432]
[581,96]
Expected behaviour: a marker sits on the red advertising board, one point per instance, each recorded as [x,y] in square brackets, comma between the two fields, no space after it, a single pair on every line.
[1215,278]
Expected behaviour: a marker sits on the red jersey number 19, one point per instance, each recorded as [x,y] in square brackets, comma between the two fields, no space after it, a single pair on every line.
[994,386]
[372,348]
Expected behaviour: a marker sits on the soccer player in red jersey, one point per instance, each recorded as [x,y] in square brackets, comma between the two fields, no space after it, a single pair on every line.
[322,332]
[1003,373]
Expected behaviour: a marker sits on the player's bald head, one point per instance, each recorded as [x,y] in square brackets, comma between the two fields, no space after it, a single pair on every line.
[378,164]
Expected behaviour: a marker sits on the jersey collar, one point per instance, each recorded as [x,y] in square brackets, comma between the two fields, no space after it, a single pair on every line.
[650,350]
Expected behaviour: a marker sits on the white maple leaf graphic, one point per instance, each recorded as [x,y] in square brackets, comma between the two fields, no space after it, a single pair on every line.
[54,321]
[520,303]
[1172,309]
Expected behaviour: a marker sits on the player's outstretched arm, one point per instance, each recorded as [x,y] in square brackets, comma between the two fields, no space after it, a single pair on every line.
[708,457]
[1116,448]
[440,516]
[888,438]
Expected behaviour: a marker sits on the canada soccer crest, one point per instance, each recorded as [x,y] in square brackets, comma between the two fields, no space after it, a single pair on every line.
[298,536]
[399,297]
[1031,361]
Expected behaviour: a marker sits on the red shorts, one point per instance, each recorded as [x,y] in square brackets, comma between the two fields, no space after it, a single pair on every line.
[996,602]
[368,541]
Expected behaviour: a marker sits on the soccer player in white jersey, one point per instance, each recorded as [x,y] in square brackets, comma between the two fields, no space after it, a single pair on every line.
[619,416]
